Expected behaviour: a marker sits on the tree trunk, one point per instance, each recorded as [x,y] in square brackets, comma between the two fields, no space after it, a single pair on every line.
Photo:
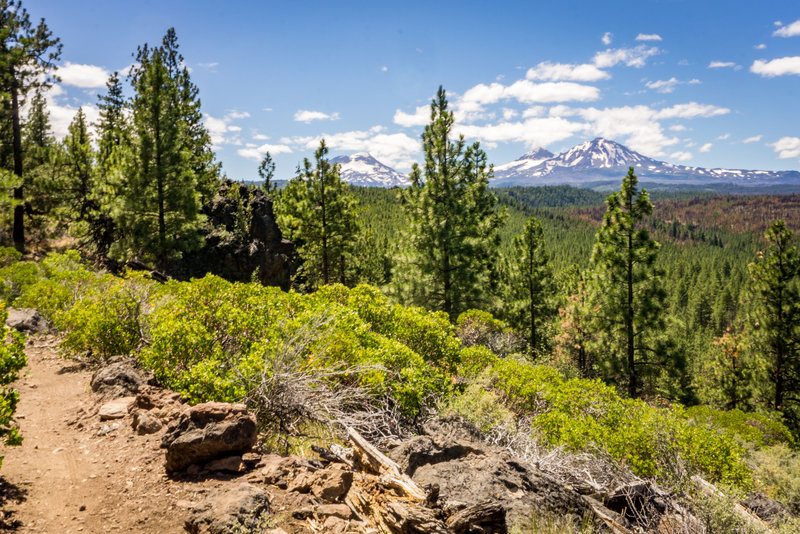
[19,209]
[633,386]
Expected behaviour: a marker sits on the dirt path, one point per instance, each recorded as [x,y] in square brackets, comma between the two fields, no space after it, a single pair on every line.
[74,473]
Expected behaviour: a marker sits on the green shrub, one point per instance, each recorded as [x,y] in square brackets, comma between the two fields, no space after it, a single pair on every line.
[476,327]
[108,318]
[16,278]
[776,470]
[9,255]
[12,359]
[756,429]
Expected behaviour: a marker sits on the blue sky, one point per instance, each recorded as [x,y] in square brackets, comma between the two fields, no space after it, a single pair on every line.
[697,82]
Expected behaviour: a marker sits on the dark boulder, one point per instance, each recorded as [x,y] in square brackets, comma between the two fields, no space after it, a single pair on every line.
[236,254]
[207,432]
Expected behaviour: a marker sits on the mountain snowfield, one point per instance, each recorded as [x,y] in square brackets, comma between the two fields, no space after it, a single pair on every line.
[601,159]
[598,160]
[364,170]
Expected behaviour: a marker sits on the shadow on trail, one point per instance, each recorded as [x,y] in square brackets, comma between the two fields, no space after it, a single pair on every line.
[10,493]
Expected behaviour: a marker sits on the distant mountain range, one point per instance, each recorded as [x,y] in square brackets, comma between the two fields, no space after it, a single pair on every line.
[588,164]
[602,160]
[364,170]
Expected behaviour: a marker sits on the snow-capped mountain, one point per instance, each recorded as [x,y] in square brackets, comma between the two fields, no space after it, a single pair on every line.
[525,163]
[601,159]
[364,170]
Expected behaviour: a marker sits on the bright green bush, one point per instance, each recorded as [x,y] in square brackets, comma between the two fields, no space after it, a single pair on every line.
[9,255]
[107,319]
[756,429]
[16,278]
[12,359]
[583,414]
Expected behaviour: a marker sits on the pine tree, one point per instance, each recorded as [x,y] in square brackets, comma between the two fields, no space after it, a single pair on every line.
[266,170]
[317,212]
[113,128]
[530,285]
[627,292]
[28,55]
[79,158]
[774,316]
[158,213]
[42,161]
[453,222]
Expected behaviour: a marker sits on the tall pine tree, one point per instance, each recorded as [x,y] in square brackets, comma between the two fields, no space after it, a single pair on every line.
[627,292]
[28,55]
[317,212]
[158,212]
[530,285]
[453,222]
[774,317]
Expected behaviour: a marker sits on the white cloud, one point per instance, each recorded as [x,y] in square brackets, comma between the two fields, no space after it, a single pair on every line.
[681,156]
[631,57]
[260,137]
[663,86]
[690,111]
[233,114]
[678,128]
[706,147]
[787,147]
[396,150]
[648,37]
[566,72]
[85,76]
[534,111]
[721,65]
[636,126]
[606,39]
[306,116]
[420,117]
[792,30]
[210,65]
[776,67]
[509,113]
[533,132]
[384,68]
[761,46]
[257,153]
[218,128]
[723,137]
[754,139]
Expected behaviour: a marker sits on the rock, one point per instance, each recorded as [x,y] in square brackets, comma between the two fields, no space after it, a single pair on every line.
[765,508]
[234,257]
[278,470]
[145,423]
[331,484]
[116,409]
[119,378]
[241,508]
[208,432]
[342,511]
[231,464]
[485,517]
[472,473]
[28,321]
[301,483]
[334,525]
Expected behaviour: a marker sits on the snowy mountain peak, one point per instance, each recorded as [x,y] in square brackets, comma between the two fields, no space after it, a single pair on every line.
[364,170]
[537,154]
[602,160]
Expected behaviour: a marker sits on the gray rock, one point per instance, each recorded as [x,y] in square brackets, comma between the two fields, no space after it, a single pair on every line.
[119,378]
[472,474]
[241,508]
[28,321]
[145,423]
[116,409]
[207,432]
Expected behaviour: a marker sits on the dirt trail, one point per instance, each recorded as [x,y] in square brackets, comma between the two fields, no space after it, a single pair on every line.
[74,473]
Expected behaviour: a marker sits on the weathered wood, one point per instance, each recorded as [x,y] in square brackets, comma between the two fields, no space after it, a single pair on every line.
[712,491]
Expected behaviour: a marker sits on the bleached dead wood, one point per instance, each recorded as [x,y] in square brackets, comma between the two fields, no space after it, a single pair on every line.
[712,491]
